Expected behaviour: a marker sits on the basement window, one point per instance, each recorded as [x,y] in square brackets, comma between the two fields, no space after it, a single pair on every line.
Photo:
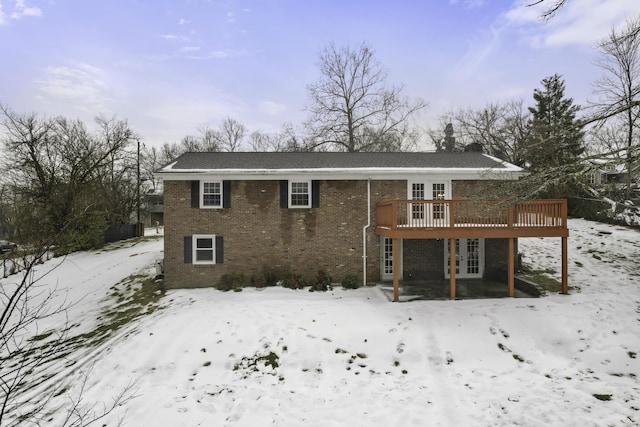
[204,249]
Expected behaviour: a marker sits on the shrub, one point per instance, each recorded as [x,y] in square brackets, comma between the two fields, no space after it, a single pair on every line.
[350,281]
[265,280]
[258,282]
[231,282]
[294,281]
[270,279]
[322,282]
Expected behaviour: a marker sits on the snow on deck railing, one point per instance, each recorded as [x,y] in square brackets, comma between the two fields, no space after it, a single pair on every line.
[471,213]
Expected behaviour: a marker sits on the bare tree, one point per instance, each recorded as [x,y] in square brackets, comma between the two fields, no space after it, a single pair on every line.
[351,106]
[208,140]
[620,86]
[30,392]
[501,130]
[231,133]
[263,142]
[553,7]
[56,169]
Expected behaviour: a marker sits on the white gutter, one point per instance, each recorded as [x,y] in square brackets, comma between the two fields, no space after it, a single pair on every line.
[364,234]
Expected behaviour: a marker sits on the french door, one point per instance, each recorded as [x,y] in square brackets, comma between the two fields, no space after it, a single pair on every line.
[386,259]
[431,214]
[469,259]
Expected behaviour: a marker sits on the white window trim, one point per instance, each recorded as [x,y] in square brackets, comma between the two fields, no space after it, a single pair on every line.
[428,187]
[194,243]
[290,193]
[202,205]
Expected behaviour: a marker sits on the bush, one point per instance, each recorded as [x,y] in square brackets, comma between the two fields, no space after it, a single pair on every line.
[258,282]
[322,282]
[231,282]
[350,281]
[294,281]
[270,279]
[264,280]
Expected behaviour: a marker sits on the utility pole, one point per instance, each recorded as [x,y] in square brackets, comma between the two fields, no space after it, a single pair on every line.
[139,226]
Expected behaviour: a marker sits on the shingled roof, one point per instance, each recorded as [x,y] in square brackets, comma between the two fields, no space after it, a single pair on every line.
[278,161]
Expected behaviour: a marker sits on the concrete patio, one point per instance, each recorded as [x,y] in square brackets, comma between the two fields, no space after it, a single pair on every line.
[465,289]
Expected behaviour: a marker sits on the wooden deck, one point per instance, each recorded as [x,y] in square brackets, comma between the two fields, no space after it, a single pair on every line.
[457,219]
[442,219]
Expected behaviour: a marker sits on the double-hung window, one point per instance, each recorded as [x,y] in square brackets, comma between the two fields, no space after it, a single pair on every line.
[204,249]
[300,194]
[211,196]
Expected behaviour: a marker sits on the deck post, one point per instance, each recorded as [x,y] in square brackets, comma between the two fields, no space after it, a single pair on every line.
[452,268]
[511,268]
[565,269]
[396,272]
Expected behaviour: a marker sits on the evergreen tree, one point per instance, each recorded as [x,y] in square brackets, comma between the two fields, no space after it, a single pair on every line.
[555,139]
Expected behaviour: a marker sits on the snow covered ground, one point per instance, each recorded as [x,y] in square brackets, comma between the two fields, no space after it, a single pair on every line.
[279,357]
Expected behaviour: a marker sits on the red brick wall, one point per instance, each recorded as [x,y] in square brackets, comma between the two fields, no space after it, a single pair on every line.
[260,237]
[480,189]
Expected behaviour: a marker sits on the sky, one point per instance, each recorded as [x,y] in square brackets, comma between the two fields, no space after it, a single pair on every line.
[172,67]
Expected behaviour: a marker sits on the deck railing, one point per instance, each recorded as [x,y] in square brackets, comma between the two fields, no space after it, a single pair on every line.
[439,214]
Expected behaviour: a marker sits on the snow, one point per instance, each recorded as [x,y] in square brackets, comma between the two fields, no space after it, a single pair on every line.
[350,357]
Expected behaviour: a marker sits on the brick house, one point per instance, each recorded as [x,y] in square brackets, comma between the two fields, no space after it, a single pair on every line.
[380,216]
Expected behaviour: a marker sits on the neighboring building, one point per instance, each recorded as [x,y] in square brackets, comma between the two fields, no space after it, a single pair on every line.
[381,216]
[153,209]
[603,172]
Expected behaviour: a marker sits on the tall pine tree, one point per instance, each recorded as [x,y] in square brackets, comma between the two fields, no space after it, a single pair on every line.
[555,141]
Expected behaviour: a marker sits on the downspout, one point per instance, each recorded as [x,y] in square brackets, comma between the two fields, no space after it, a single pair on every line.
[364,234]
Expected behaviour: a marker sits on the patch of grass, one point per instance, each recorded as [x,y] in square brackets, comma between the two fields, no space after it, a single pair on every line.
[603,397]
[256,362]
[135,296]
[41,337]
[543,282]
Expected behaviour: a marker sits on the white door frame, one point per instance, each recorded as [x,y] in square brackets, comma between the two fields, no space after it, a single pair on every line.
[471,266]
[386,258]
[429,190]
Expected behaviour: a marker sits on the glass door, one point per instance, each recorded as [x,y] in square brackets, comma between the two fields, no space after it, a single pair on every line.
[386,259]
[469,260]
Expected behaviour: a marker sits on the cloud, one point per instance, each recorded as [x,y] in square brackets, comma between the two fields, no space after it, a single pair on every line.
[3,17]
[272,108]
[468,4]
[478,53]
[21,9]
[578,23]
[229,53]
[81,83]
[188,49]
[182,21]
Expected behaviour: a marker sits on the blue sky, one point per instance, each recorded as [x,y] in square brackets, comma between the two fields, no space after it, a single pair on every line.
[172,66]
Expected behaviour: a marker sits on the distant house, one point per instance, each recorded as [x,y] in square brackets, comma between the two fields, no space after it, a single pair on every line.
[380,216]
[603,172]
[153,204]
